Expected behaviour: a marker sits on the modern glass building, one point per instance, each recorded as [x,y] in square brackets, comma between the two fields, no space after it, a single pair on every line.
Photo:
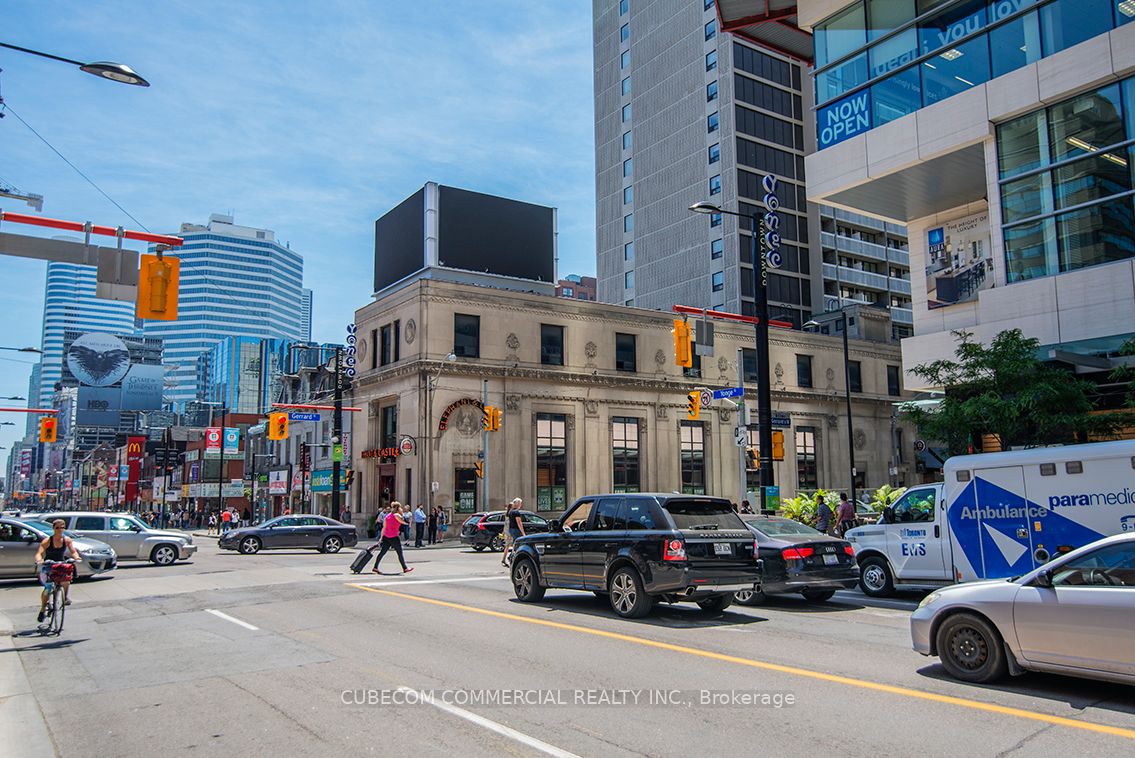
[70,304]
[236,281]
[1001,133]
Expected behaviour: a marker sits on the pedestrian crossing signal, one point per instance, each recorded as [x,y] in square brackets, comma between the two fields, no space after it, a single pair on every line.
[278,426]
[480,469]
[693,405]
[48,429]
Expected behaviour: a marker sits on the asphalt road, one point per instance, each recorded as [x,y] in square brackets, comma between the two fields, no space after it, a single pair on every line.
[288,653]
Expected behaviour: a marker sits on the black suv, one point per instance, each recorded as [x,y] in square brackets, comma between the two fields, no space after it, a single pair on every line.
[640,548]
[486,530]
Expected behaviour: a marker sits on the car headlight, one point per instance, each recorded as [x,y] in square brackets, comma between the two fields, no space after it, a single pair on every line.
[930,599]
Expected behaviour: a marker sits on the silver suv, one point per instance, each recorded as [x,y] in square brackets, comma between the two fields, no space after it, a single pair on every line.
[131,539]
[20,540]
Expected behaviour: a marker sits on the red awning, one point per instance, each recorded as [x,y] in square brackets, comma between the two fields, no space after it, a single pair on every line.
[770,23]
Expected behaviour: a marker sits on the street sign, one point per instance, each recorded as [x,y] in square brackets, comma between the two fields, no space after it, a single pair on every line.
[740,436]
[729,392]
[337,454]
[919,446]
[294,416]
[706,398]
[781,421]
[257,429]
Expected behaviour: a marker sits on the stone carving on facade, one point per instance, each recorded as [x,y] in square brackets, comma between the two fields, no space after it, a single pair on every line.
[512,403]
[860,439]
[512,342]
[660,412]
[569,422]
[833,421]
[830,374]
[778,372]
[590,350]
[724,414]
[659,359]
[410,331]
[466,421]
[591,407]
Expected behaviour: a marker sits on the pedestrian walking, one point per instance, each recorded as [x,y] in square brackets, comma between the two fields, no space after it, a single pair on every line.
[514,523]
[391,528]
[419,525]
[246,517]
[845,514]
[431,526]
[823,514]
[226,520]
[212,523]
[442,523]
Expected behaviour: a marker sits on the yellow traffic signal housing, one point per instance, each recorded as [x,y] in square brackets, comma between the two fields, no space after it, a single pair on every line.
[752,459]
[157,288]
[278,426]
[487,418]
[496,414]
[48,429]
[778,446]
[693,405]
[480,469]
[683,346]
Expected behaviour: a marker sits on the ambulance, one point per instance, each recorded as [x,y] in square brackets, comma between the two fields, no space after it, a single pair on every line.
[998,515]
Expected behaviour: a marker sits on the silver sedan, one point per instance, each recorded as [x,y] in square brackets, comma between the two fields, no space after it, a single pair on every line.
[1073,616]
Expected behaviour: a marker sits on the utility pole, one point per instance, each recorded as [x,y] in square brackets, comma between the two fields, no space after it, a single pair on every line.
[337,434]
[484,447]
[743,428]
[221,467]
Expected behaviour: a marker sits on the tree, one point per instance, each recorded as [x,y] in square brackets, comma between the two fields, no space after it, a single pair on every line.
[1003,389]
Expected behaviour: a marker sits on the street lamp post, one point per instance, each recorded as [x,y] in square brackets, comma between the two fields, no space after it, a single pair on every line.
[764,386]
[117,72]
[428,437]
[847,395]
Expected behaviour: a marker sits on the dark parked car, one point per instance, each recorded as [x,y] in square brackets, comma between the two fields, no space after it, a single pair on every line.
[486,530]
[286,532]
[637,549]
[798,559]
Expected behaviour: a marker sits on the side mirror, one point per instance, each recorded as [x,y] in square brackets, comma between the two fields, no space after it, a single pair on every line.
[30,538]
[554,525]
[135,528]
[1043,579]
[889,515]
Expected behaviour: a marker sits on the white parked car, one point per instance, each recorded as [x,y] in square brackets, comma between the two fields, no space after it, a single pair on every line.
[130,538]
[1075,615]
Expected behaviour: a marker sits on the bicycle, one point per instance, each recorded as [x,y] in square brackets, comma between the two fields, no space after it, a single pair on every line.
[58,572]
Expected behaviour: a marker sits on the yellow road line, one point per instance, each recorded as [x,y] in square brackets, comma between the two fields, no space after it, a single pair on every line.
[977,705]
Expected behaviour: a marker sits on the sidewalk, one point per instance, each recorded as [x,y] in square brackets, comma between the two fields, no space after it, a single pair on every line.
[21,720]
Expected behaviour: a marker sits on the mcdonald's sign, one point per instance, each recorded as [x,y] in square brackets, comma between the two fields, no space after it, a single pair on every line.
[135,452]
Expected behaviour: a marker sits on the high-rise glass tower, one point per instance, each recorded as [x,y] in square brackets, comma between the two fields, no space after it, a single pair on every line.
[70,303]
[236,281]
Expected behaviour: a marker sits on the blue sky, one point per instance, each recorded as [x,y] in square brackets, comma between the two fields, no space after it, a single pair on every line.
[308,118]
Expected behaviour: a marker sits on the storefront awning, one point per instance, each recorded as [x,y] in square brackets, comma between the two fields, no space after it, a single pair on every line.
[771,23]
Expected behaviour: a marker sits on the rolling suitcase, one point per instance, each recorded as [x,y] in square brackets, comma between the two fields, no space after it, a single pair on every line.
[361,560]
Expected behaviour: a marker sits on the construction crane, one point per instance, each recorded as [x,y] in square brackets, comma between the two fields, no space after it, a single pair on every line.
[35,201]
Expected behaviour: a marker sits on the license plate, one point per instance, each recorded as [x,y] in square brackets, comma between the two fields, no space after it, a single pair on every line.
[722,548]
[831,560]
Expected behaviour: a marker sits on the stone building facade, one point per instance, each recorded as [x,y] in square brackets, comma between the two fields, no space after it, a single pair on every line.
[592,402]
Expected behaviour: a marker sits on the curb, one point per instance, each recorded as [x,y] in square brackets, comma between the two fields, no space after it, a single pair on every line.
[20,713]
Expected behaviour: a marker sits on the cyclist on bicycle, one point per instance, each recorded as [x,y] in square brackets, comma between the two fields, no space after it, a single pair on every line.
[54,549]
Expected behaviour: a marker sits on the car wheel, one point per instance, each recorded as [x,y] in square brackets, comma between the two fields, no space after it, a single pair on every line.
[525,582]
[497,544]
[875,578]
[749,597]
[478,548]
[249,546]
[716,604]
[818,596]
[163,555]
[628,598]
[970,649]
[332,544]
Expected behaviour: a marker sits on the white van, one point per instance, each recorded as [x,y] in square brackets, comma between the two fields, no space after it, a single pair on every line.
[999,515]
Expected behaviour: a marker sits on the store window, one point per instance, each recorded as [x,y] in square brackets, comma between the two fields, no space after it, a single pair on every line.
[625,354]
[855,376]
[692,457]
[388,426]
[804,371]
[466,335]
[625,454]
[806,469]
[551,345]
[894,386]
[551,461]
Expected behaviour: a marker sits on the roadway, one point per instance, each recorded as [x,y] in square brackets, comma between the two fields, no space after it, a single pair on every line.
[289,653]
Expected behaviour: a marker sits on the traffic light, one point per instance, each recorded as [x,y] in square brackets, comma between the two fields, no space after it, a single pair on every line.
[693,405]
[48,429]
[752,459]
[683,347]
[496,414]
[778,446]
[157,288]
[278,426]
[480,469]
[348,475]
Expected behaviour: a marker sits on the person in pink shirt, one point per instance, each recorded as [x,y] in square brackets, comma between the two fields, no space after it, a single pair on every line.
[391,527]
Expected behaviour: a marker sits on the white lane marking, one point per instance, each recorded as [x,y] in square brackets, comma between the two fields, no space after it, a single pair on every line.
[492,726]
[227,617]
[430,581]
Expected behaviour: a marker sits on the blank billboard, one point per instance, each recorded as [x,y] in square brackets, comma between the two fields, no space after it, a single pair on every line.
[478,232]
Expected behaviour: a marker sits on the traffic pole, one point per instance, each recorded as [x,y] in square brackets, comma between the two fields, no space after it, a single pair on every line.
[742,428]
[337,434]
